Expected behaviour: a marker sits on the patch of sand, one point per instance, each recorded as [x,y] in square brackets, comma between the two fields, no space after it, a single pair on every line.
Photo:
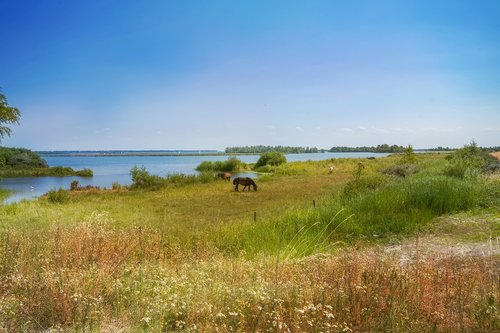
[496,154]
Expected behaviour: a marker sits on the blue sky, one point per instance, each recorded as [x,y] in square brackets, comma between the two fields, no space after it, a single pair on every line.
[212,74]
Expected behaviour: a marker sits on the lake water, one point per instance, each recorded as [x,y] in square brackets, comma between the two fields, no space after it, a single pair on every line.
[109,169]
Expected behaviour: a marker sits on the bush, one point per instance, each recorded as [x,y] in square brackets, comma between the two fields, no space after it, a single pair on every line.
[206,177]
[271,158]
[20,158]
[116,186]
[74,185]
[232,164]
[408,156]
[58,196]
[469,161]
[493,166]
[85,173]
[142,179]
[401,170]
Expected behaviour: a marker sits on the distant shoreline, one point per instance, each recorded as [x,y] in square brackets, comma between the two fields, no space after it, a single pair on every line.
[126,153]
[129,154]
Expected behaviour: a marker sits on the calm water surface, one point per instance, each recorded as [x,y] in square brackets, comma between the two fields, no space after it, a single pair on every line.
[110,169]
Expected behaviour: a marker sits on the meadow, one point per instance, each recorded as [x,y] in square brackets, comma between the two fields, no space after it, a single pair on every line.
[308,252]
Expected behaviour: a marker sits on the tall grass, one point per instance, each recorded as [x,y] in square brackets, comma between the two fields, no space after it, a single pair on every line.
[91,278]
[142,179]
[4,194]
[372,209]
[44,172]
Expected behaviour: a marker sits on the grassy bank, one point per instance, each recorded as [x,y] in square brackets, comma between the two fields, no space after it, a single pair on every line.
[305,253]
[43,172]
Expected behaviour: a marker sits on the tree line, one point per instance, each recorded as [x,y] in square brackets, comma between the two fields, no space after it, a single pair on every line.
[383,148]
[263,149]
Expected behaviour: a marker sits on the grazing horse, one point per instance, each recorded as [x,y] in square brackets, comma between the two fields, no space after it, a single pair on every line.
[246,181]
[225,176]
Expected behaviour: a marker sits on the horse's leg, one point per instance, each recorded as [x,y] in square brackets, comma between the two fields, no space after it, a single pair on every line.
[236,188]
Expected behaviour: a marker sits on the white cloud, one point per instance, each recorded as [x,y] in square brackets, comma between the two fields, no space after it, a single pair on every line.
[402,130]
[300,129]
[346,129]
[491,129]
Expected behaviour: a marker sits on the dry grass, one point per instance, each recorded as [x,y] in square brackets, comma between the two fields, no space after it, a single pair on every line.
[89,278]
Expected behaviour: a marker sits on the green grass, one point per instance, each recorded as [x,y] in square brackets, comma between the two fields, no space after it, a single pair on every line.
[44,172]
[4,194]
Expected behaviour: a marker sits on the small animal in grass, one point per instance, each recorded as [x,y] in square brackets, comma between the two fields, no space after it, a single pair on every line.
[225,176]
[330,170]
[246,182]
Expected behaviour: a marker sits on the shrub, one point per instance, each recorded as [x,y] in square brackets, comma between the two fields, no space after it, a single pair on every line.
[85,173]
[61,171]
[205,166]
[142,179]
[116,186]
[271,158]
[20,158]
[401,170]
[469,161]
[232,164]
[74,185]
[493,166]
[206,177]
[408,156]
[58,196]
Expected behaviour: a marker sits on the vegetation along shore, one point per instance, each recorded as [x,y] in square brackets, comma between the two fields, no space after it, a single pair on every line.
[20,162]
[405,243]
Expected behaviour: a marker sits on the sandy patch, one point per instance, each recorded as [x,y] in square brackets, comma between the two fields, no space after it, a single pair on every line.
[496,154]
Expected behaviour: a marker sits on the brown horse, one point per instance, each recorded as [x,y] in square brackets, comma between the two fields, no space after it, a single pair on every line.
[225,176]
[246,181]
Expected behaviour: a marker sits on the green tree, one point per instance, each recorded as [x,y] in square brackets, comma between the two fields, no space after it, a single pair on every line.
[271,158]
[8,115]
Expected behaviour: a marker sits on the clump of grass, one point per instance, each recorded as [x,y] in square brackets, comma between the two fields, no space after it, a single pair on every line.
[4,194]
[363,184]
[58,196]
[401,170]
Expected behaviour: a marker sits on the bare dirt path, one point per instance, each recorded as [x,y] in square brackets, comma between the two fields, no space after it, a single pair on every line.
[453,236]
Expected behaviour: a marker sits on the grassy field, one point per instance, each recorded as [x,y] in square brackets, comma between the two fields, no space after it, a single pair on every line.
[308,252]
